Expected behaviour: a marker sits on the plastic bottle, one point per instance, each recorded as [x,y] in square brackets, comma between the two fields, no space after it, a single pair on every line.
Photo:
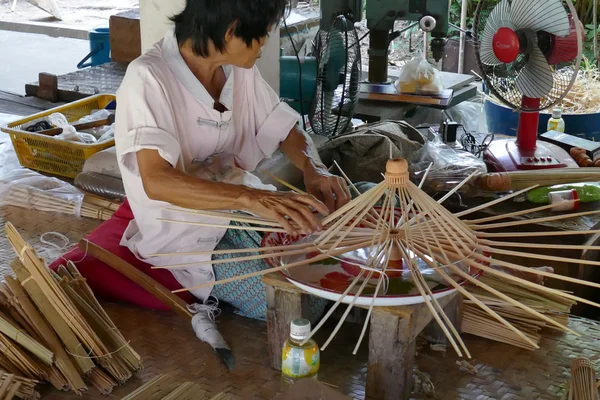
[556,123]
[299,361]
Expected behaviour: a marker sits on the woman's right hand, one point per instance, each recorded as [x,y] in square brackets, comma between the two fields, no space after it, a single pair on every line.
[289,209]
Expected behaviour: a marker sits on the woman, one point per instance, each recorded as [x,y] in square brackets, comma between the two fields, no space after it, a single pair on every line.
[194,115]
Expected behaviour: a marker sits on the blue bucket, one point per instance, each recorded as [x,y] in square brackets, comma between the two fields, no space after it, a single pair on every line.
[99,48]
[502,120]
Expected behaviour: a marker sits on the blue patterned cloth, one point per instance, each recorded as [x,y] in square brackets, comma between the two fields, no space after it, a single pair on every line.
[249,296]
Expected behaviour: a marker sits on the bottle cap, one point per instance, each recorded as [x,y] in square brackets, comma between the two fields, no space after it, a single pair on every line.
[300,329]
[557,113]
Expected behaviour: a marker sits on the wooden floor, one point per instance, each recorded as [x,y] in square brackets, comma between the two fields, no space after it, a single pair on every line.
[11,103]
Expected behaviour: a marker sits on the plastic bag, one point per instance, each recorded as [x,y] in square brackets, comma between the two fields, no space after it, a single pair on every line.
[419,76]
[69,132]
[28,189]
[100,133]
[450,167]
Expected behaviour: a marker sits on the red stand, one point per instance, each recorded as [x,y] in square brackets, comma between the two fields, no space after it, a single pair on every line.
[526,153]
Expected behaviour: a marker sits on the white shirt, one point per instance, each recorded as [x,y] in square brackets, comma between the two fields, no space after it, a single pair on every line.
[163,106]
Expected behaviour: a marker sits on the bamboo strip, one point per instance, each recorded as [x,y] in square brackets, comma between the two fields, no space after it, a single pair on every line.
[525,245]
[154,389]
[277,269]
[252,257]
[102,381]
[512,214]
[375,294]
[494,202]
[533,220]
[284,183]
[334,307]
[536,234]
[24,340]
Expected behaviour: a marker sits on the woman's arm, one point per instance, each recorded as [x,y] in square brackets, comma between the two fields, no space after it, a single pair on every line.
[326,187]
[162,182]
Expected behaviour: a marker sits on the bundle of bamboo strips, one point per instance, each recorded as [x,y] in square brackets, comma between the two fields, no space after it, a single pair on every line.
[12,386]
[52,327]
[479,323]
[164,387]
[583,384]
[91,207]
[517,180]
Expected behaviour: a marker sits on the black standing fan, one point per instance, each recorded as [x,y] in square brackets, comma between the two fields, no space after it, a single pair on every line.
[337,51]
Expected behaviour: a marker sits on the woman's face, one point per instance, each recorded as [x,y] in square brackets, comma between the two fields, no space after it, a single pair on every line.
[241,55]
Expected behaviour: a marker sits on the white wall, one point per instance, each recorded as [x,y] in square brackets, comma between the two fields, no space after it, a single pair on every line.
[154,22]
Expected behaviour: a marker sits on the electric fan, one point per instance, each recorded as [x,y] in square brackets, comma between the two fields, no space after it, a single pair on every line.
[529,52]
[338,76]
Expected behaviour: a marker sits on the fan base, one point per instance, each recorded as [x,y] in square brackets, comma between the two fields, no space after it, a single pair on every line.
[505,156]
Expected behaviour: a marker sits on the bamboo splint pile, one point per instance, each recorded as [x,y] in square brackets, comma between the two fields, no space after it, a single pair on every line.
[517,180]
[477,322]
[52,327]
[163,387]
[92,206]
[444,241]
[12,386]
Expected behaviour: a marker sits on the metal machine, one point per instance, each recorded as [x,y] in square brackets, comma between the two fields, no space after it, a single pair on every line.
[431,15]
[302,78]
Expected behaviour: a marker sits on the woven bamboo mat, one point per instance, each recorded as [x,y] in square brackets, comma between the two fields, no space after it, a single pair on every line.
[168,345]
[33,224]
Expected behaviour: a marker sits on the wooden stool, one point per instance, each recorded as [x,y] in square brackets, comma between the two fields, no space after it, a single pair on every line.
[392,335]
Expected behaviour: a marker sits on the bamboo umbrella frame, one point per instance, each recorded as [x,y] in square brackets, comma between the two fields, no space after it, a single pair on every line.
[424,229]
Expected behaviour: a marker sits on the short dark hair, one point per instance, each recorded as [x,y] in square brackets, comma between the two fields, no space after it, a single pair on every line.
[205,21]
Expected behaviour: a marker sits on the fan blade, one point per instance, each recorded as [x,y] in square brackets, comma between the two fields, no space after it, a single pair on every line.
[499,18]
[535,80]
[540,15]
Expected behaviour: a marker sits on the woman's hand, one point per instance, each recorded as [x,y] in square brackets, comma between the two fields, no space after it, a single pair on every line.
[330,189]
[289,209]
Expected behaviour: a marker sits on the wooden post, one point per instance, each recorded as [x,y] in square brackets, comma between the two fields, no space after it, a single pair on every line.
[392,344]
[391,357]
[283,306]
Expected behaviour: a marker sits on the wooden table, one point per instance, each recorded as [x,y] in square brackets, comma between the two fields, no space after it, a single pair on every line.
[392,335]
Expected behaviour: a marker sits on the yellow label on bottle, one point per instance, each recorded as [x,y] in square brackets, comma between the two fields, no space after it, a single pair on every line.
[300,363]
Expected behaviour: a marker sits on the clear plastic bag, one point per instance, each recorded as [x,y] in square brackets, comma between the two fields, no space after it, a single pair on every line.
[449,168]
[419,76]
[28,189]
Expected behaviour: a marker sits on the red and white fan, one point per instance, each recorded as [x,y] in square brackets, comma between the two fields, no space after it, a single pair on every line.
[529,52]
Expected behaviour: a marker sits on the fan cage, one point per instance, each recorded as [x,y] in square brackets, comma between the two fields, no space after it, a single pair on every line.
[500,79]
[339,72]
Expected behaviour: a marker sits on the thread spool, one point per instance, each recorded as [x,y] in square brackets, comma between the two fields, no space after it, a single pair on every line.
[564,200]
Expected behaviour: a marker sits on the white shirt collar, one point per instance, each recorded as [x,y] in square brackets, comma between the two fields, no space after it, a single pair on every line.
[177,65]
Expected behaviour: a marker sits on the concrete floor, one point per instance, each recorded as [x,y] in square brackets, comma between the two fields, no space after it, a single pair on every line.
[25,55]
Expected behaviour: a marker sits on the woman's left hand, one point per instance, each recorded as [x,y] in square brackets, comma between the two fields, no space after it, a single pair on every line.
[330,189]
